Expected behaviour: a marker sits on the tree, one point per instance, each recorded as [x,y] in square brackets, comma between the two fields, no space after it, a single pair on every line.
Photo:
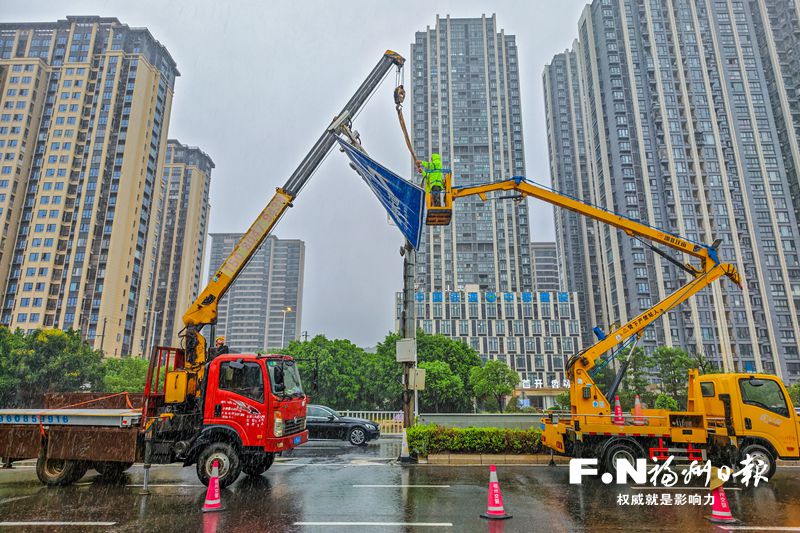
[672,365]
[124,375]
[45,361]
[495,379]
[794,394]
[664,401]
[704,364]
[442,386]
[635,380]
[460,357]
[563,402]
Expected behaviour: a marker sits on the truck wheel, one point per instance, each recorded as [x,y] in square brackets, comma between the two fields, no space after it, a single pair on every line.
[112,469]
[230,466]
[619,451]
[760,453]
[357,436]
[257,466]
[55,472]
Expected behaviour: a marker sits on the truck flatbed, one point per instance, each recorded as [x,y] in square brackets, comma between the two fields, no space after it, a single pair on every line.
[71,417]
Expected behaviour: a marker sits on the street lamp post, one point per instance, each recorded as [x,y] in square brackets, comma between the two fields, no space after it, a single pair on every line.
[283,328]
[153,332]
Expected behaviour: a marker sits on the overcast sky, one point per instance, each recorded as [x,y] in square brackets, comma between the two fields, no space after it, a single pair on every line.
[260,81]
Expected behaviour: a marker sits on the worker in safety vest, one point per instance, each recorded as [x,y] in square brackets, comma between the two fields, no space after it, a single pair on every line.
[433,178]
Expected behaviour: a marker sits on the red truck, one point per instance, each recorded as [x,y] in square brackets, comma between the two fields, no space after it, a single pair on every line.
[250,407]
[198,406]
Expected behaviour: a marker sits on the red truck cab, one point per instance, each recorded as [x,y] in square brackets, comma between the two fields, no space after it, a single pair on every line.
[252,406]
[242,393]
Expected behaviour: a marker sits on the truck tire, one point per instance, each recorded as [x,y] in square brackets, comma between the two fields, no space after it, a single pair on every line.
[760,453]
[619,450]
[112,470]
[230,465]
[56,472]
[258,465]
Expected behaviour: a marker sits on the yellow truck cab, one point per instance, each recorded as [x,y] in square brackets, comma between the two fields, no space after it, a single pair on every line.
[727,417]
[753,413]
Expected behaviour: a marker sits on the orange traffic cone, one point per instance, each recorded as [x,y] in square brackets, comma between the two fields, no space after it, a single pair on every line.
[213,499]
[720,510]
[618,418]
[638,417]
[495,510]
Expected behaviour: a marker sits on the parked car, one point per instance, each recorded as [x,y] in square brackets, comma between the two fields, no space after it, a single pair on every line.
[325,423]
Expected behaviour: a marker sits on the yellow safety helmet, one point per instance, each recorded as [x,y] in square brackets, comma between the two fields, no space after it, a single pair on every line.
[219,339]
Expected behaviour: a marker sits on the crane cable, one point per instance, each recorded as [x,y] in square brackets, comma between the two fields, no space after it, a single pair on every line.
[399,97]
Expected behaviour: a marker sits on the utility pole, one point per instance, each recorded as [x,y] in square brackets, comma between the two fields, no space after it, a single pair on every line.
[408,327]
[305,336]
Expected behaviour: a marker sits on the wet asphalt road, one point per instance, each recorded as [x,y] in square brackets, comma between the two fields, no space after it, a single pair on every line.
[331,482]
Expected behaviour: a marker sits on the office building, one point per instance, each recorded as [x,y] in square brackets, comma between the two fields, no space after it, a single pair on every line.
[263,308]
[544,263]
[184,224]
[474,277]
[669,115]
[84,111]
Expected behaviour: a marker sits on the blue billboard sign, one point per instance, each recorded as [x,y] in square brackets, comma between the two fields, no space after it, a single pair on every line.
[437,296]
[455,297]
[563,297]
[527,297]
[404,201]
[544,296]
[473,297]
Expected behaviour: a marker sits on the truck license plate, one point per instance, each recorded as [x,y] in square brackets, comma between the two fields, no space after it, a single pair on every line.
[296,440]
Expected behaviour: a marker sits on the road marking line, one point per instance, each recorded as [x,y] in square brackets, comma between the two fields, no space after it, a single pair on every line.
[754,528]
[402,486]
[16,498]
[410,524]
[27,524]
[681,488]
[166,485]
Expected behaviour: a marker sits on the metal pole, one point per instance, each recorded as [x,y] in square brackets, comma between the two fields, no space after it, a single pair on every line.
[283,328]
[153,332]
[408,329]
[103,335]
[148,452]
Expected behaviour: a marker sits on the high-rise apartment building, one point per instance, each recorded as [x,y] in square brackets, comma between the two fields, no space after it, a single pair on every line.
[465,103]
[576,245]
[184,224]
[474,279]
[544,263]
[777,34]
[84,111]
[663,111]
[264,307]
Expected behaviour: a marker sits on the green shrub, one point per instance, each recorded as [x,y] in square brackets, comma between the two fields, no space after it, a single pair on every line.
[424,440]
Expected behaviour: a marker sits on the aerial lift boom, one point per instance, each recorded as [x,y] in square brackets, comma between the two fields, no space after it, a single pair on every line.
[204,309]
[585,397]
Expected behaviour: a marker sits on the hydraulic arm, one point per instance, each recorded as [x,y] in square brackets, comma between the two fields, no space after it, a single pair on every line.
[586,398]
[204,309]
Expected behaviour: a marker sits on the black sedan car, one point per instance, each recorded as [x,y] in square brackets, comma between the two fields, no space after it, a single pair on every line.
[325,423]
